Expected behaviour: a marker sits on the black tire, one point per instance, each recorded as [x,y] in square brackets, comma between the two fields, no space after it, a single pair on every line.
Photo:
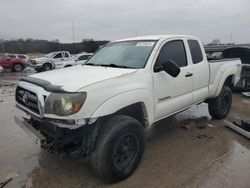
[119,148]
[38,70]
[17,67]
[68,66]
[219,107]
[47,67]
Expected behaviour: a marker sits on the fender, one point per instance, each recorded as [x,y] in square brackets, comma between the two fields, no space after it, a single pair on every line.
[225,75]
[117,102]
[53,65]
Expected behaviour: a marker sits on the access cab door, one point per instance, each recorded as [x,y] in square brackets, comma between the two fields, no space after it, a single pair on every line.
[200,70]
[172,94]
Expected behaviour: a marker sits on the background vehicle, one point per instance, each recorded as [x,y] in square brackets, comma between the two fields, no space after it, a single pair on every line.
[24,57]
[104,107]
[48,62]
[244,54]
[78,59]
[15,64]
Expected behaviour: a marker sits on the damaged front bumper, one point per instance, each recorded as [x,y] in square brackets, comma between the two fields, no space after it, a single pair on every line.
[58,139]
[31,131]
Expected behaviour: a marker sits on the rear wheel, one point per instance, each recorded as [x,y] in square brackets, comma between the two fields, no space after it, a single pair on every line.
[47,67]
[17,67]
[220,106]
[119,148]
[38,70]
[68,66]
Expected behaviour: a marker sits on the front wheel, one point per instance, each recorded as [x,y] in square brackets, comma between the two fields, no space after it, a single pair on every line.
[17,67]
[38,69]
[119,148]
[219,107]
[47,67]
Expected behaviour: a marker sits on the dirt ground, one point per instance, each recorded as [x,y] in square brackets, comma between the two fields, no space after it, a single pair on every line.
[187,150]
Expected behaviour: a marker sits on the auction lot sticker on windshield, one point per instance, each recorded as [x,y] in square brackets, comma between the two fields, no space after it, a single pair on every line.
[145,44]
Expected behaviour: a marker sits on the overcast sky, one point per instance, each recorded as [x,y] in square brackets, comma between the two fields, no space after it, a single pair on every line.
[115,19]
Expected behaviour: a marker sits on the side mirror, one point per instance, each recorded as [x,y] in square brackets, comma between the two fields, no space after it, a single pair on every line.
[169,67]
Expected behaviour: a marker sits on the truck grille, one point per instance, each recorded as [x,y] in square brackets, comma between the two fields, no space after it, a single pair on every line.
[28,99]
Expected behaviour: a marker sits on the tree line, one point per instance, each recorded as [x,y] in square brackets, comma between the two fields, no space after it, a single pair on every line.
[25,46]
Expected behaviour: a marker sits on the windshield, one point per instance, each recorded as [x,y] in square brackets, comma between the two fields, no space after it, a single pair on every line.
[128,54]
[50,54]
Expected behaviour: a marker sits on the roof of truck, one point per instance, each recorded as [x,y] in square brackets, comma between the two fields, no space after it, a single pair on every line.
[155,37]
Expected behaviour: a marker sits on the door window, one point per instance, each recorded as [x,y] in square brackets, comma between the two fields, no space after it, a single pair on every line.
[66,55]
[59,55]
[174,51]
[11,56]
[21,56]
[195,50]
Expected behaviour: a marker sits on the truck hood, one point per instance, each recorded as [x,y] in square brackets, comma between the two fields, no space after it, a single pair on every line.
[40,59]
[75,78]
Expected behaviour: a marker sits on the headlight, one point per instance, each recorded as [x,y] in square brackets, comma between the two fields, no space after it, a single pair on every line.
[64,104]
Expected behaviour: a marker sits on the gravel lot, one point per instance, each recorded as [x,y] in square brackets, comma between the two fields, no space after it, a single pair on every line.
[186,150]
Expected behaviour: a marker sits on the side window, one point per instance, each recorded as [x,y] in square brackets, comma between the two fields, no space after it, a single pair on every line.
[21,56]
[175,51]
[59,55]
[83,57]
[66,54]
[195,50]
[11,56]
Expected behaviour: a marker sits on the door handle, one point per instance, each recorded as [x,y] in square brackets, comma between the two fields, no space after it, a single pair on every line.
[189,74]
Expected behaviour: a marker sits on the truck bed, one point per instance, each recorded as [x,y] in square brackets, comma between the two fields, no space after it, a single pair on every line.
[219,68]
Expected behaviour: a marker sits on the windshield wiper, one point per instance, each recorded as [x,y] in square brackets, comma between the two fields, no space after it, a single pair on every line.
[114,65]
[108,65]
[92,64]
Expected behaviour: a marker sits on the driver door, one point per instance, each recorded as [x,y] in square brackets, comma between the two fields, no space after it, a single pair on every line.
[58,57]
[172,94]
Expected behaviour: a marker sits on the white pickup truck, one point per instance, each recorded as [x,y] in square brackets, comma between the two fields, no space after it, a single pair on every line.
[78,59]
[101,109]
[49,61]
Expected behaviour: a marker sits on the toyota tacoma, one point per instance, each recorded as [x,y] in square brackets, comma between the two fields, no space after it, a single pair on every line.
[102,109]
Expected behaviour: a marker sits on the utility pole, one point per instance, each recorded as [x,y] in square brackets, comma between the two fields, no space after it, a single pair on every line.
[73,35]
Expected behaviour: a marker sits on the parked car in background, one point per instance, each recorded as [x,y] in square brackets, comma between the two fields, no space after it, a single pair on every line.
[13,63]
[48,61]
[24,57]
[78,59]
[244,54]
